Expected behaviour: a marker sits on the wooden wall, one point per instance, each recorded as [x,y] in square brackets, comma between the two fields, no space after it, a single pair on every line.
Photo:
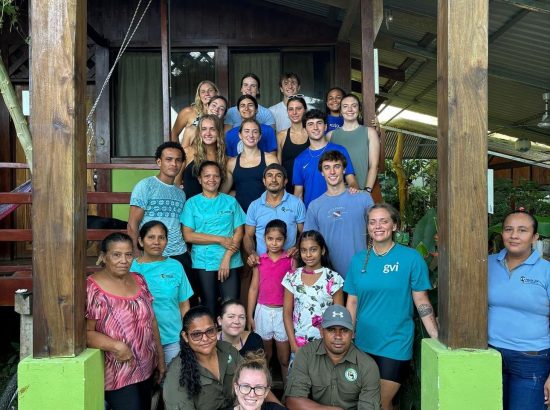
[517,171]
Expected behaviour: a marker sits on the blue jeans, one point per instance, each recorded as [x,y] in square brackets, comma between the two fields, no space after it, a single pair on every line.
[523,378]
[171,350]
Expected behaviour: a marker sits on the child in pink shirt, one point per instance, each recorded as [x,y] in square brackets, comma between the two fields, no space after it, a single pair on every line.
[266,294]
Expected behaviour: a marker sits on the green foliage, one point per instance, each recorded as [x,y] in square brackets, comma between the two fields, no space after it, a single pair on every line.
[421,175]
[526,194]
[8,366]
[8,12]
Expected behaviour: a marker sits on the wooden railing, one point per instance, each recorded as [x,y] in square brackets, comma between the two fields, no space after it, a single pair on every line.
[19,276]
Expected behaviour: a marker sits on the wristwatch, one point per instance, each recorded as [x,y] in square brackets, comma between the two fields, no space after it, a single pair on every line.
[368,189]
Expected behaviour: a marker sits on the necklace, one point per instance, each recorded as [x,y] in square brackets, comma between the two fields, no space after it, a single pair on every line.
[384,253]
[240,340]
[317,156]
[309,272]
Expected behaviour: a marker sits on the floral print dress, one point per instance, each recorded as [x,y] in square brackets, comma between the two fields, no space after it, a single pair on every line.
[310,302]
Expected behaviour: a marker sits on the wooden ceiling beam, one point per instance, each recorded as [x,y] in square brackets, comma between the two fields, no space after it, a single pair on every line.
[540,6]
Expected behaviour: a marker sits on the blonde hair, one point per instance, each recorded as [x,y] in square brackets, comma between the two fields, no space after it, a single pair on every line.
[200,148]
[199,106]
[254,360]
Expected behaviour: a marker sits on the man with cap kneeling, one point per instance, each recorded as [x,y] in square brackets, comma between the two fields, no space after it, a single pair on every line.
[331,373]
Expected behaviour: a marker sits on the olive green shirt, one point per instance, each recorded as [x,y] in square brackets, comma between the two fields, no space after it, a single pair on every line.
[215,394]
[351,384]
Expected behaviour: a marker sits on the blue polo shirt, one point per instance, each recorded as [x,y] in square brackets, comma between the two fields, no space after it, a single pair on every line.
[519,303]
[290,210]
[307,174]
[234,145]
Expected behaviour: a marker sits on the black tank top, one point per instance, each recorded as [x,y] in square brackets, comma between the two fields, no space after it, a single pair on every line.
[288,155]
[191,185]
[248,182]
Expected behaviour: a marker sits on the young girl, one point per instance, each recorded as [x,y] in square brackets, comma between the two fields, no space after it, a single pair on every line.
[310,289]
[267,291]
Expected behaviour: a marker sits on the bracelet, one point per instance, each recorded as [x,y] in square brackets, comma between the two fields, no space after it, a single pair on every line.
[368,189]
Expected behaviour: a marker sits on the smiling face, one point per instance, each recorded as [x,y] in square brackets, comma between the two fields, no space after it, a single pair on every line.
[217,107]
[206,92]
[315,128]
[518,234]
[295,111]
[208,132]
[289,86]
[251,378]
[249,86]
[334,99]
[247,109]
[333,172]
[381,226]
[210,179]
[349,109]
[250,134]
[201,335]
[154,242]
[233,320]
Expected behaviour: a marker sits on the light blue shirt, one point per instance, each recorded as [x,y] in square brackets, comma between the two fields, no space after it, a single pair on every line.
[519,306]
[264,116]
[162,202]
[290,210]
[385,325]
[169,286]
[342,220]
[215,216]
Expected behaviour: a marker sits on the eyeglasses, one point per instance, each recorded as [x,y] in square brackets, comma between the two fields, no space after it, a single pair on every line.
[197,336]
[258,390]
[293,97]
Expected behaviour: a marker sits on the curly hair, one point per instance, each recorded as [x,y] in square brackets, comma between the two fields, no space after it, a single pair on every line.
[200,148]
[189,374]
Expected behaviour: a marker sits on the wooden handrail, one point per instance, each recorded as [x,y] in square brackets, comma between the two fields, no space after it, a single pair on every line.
[92,197]
[90,165]
[20,235]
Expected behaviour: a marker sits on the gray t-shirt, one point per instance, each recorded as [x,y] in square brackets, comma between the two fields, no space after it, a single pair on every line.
[357,144]
[342,220]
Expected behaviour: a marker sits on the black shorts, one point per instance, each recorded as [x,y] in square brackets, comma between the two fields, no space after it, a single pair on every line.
[391,369]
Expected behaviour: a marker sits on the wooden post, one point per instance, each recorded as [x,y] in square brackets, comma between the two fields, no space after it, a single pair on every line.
[342,66]
[165,57]
[367,60]
[462,156]
[58,79]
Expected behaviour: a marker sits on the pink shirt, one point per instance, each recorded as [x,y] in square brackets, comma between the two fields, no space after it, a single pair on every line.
[270,290]
[129,320]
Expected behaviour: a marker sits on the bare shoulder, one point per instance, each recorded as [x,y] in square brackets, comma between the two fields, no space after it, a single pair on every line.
[231,163]
[271,158]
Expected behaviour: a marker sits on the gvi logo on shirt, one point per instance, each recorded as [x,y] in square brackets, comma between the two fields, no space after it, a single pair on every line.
[391,268]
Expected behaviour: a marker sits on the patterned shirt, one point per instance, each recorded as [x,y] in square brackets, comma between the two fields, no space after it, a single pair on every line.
[129,320]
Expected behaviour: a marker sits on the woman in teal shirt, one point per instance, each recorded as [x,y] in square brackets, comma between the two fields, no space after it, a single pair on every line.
[167,282]
[214,223]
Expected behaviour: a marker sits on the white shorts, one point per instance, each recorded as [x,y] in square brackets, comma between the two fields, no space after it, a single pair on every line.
[269,323]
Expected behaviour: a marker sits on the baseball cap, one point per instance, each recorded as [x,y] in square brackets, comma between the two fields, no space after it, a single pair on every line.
[337,315]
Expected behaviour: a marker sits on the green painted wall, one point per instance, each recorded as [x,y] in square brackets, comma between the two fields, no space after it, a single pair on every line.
[460,379]
[74,383]
[124,180]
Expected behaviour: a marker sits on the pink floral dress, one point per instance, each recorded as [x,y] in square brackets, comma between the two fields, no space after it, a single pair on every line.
[310,302]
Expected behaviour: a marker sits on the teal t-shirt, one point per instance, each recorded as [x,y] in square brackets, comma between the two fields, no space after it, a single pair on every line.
[385,325]
[215,216]
[169,286]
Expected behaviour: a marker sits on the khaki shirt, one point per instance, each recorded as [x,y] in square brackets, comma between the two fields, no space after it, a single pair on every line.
[215,394]
[352,384]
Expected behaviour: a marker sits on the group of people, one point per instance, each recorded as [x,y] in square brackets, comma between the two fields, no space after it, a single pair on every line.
[329,290]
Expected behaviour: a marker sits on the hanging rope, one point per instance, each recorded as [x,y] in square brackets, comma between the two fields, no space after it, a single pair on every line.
[125,42]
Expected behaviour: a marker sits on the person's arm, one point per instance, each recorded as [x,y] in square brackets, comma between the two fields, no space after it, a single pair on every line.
[188,136]
[338,297]
[299,192]
[228,182]
[134,219]
[191,236]
[351,181]
[351,305]
[426,312]
[223,271]
[303,403]
[280,142]
[103,342]
[184,307]
[253,298]
[249,245]
[374,157]
[161,366]
[369,397]
[181,122]
[288,310]
[547,391]
[271,158]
